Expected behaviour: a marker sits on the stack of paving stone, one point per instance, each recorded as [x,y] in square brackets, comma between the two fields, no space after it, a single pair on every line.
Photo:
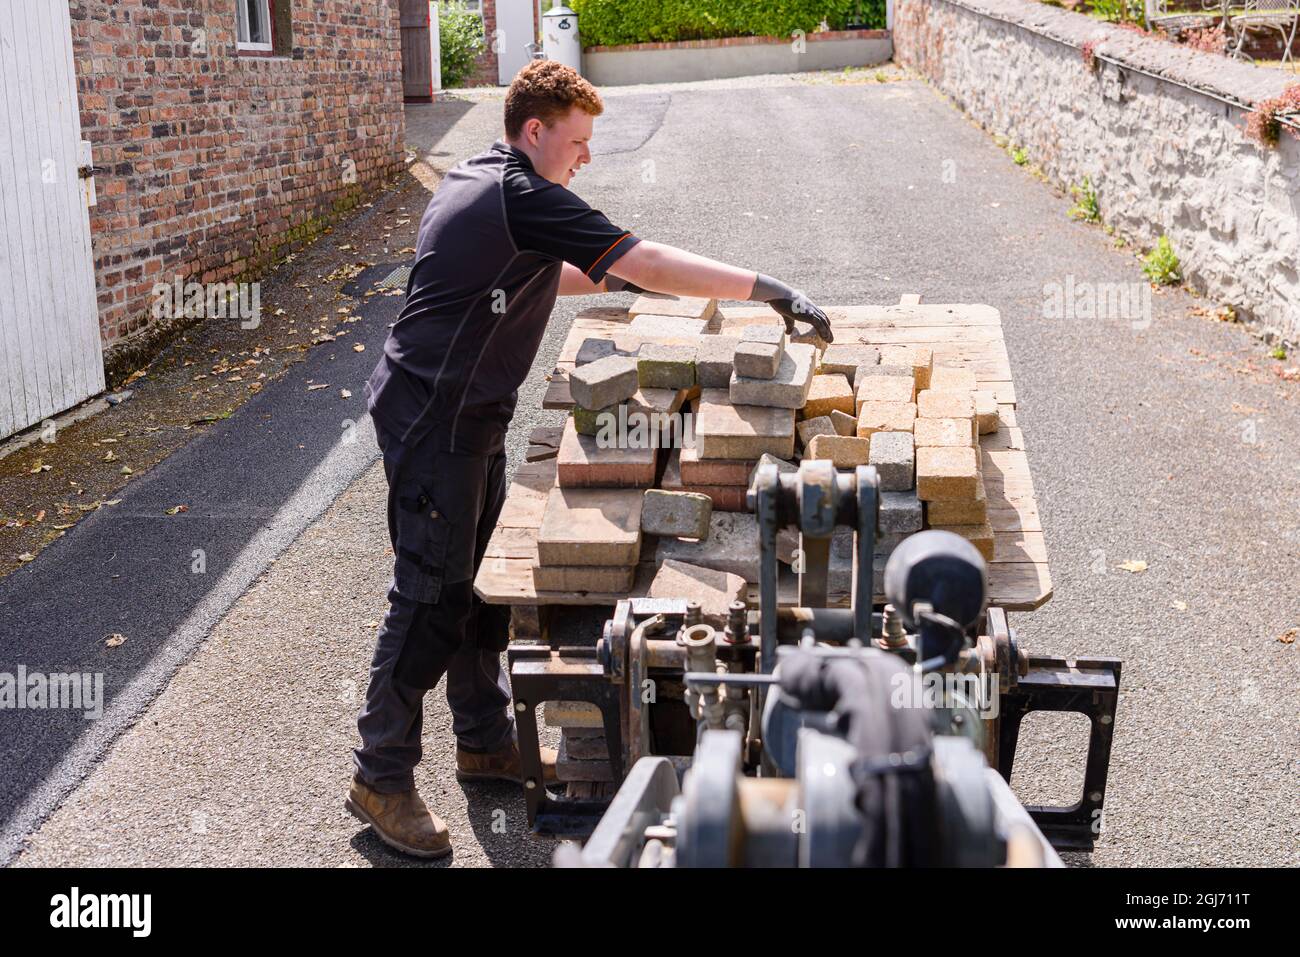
[606,500]
[606,497]
[951,416]
[758,398]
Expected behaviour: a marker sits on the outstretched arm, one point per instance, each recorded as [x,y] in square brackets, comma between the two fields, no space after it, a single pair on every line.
[668,269]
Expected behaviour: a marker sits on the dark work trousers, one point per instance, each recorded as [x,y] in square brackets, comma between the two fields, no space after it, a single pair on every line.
[442,507]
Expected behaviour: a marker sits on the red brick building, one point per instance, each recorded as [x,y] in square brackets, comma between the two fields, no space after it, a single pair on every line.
[225,131]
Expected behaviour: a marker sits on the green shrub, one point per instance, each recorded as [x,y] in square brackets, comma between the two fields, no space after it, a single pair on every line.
[1085,202]
[1118,11]
[1161,264]
[615,22]
[460,35]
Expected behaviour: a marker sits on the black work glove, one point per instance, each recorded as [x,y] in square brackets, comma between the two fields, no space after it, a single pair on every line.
[614,284]
[791,305]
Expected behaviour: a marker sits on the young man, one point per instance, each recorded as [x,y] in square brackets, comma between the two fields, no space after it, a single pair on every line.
[501,238]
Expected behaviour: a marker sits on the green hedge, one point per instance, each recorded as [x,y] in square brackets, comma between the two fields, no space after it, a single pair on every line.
[461,42]
[615,22]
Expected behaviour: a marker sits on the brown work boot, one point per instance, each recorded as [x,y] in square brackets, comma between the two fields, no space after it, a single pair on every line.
[500,765]
[402,820]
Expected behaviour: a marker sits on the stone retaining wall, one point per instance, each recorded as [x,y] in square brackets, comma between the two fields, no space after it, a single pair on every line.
[1158,128]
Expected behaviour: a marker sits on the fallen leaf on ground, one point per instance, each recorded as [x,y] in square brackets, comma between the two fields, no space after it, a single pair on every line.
[26,557]
[345,393]
[321,385]
[1133,566]
[1180,605]
[114,639]
[1288,637]
[359,347]
[177,509]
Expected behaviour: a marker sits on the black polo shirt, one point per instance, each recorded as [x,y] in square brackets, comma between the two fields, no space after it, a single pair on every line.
[486,274]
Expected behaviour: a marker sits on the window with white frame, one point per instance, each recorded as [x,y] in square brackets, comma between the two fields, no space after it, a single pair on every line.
[253,24]
[474,6]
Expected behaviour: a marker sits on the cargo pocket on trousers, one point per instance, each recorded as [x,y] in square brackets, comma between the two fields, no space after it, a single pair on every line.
[422,536]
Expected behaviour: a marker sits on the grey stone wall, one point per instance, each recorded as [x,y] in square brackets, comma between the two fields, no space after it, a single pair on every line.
[1158,128]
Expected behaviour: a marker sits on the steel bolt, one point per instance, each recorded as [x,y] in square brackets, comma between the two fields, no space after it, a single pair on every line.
[693,613]
[521,706]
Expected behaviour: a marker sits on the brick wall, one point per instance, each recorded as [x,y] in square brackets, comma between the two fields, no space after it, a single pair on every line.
[216,162]
[486,66]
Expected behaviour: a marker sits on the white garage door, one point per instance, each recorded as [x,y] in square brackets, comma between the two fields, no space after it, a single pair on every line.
[50,353]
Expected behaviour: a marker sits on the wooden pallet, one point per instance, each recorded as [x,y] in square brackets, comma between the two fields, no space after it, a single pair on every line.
[966,336]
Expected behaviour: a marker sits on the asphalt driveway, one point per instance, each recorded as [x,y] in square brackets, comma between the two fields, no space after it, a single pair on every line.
[1172,445]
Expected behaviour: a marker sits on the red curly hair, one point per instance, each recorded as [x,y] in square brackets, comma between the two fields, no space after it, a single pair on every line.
[547,90]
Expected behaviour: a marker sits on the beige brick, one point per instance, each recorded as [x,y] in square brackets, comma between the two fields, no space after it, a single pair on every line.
[885,388]
[732,546]
[663,401]
[845,423]
[885,417]
[981,536]
[714,589]
[920,359]
[664,304]
[986,411]
[946,473]
[757,360]
[959,511]
[583,463]
[591,527]
[788,389]
[592,578]
[667,327]
[828,393]
[944,405]
[844,451]
[572,714]
[844,358]
[951,379]
[726,431]
[811,428]
[673,512]
[938,432]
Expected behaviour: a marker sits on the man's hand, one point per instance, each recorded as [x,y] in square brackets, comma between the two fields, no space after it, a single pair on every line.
[792,305]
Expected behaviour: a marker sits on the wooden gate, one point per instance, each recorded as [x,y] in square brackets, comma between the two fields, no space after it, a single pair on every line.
[421,55]
[51,357]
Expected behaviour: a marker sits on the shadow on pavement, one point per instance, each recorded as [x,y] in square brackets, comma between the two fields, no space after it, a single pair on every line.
[249,486]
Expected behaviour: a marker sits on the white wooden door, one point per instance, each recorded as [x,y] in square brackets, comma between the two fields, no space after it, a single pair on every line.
[50,352]
[435,48]
[514,32]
